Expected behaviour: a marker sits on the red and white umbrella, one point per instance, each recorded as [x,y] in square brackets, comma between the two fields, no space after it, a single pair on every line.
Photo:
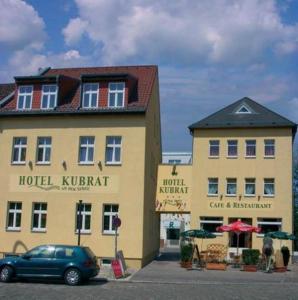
[238,227]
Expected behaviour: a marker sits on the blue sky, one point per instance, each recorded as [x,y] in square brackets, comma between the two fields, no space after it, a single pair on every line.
[210,52]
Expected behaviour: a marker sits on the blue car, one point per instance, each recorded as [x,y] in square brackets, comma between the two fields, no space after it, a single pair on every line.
[71,263]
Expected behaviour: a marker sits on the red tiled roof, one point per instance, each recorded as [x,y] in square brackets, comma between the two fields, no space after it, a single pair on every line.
[6,89]
[145,76]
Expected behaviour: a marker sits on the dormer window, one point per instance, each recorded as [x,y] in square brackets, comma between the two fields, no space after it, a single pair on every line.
[90,95]
[116,94]
[49,96]
[243,110]
[25,97]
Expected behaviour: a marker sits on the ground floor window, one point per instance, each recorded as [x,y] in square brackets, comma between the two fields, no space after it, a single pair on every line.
[85,222]
[39,217]
[269,224]
[109,212]
[14,215]
[211,223]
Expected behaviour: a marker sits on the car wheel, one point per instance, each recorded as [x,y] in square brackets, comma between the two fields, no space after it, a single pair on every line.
[72,276]
[6,274]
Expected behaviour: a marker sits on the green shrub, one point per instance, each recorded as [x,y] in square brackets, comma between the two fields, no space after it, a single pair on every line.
[285,254]
[250,256]
[186,252]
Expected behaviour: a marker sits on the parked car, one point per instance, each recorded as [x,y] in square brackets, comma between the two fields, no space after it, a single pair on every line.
[71,263]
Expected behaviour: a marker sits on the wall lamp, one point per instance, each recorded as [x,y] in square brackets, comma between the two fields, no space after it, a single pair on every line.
[63,164]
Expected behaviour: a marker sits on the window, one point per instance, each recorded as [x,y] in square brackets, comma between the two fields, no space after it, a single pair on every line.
[49,96]
[232,148]
[269,148]
[86,151]
[85,218]
[268,225]
[250,186]
[64,252]
[269,189]
[174,161]
[212,186]
[14,215]
[214,148]
[251,148]
[110,211]
[44,145]
[42,252]
[211,223]
[39,222]
[113,150]
[90,95]
[231,186]
[19,150]
[243,110]
[25,97]
[116,94]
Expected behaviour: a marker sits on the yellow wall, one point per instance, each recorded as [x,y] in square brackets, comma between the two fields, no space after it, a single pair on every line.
[65,132]
[279,168]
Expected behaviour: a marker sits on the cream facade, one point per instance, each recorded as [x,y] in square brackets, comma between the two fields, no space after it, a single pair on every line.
[39,200]
[241,169]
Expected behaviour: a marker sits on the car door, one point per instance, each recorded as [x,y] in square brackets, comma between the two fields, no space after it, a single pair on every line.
[36,263]
[64,256]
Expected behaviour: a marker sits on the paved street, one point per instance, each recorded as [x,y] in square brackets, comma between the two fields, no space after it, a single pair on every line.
[165,279]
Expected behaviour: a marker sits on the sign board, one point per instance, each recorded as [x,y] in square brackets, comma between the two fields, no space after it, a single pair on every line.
[64,183]
[120,257]
[174,188]
[253,205]
[116,221]
[117,269]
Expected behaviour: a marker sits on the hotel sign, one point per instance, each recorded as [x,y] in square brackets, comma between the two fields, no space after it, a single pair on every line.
[64,183]
[253,205]
[173,188]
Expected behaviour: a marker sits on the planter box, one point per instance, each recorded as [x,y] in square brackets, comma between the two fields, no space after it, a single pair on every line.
[186,264]
[280,270]
[216,266]
[249,268]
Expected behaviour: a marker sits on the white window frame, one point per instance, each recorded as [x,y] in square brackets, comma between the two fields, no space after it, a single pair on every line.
[248,111]
[110,214]
[246,145]
[270,183]
[40,212]
[245,183]
[48,95]
[210,146]
[270,144]
[87,146]
[268,223]
[228,146]
[84,213]
[14,211]
[90,93]
[114,146]
[19,148]
[44,147]
[209,182]
[227,183]
[116,96]
[25,95]
[211,222]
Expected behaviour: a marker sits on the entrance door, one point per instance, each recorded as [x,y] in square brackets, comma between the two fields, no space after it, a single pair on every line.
[173,235]
[245,238]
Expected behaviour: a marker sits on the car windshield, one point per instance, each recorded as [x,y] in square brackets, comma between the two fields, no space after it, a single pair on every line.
[89,252]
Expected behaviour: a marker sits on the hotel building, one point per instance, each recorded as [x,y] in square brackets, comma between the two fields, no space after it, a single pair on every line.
[90,134]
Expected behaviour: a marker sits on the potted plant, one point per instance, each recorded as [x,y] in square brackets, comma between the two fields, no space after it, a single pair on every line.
[250,259]
[216,264]
[186,252]
[286,255]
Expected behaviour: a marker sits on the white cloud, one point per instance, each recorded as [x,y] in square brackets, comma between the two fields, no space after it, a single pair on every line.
[20,26]
[74,31]
[182,32]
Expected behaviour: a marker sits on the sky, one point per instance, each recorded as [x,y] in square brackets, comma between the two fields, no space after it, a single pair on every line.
[210,53]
